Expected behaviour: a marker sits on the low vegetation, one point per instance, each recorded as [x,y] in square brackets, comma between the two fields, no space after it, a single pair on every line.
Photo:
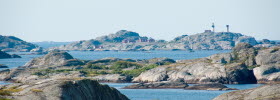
[36,90]
[137,72]
[9,91]
[274,50]
[4,99]
[125,64]
[119,67]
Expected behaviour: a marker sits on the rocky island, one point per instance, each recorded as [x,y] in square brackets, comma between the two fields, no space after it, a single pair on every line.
[4,55]
[127,40]
[14,44]
[245,64]
[158,85]
[212,86]
[60,64]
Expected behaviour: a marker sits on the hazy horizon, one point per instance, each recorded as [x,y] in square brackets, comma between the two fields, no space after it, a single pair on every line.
[71,20]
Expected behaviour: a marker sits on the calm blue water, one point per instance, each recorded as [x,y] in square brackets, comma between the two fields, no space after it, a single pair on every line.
[15,62]
[176,55]
[173,94]
[50,44]
[3,83]
[92,55]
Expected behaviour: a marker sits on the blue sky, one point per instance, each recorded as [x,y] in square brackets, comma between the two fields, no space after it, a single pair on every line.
[73,20]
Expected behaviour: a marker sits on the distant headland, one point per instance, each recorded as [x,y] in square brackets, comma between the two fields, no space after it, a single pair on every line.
[125,40]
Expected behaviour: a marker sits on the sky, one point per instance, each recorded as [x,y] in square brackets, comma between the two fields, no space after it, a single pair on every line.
[74,20]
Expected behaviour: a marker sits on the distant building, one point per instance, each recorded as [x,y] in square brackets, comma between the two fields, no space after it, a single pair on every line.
[227,28]
[98,47]
[125,41]
[207,31]
[101,47]
[128,41]
[151,40]
[143,39]
[213,26]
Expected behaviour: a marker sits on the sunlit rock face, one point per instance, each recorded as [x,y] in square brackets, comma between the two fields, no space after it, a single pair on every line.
[266,92]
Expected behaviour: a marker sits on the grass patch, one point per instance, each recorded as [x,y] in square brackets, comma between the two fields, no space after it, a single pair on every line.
[8,92]
[252,67]
[137,72]
[36,90]
[4,99]
[95,66]
[90,70]
[124,64]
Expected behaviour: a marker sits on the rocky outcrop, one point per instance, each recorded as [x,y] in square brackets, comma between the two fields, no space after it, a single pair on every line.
[157,61]
[199,71]
[110,60]
[268,65]
[111,42]
[213,86]
[52,64]
[158,85]
[62,90]
[228,68]
[116,78]
[266,92]
[119,36]
[53,58]
[60,64]
[14,44]
[217,40]
[201,41]
[4,55]
[267,43]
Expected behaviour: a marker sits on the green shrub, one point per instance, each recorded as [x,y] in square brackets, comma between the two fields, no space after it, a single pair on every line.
[36,90]
[95,66]
[137,72]
[39,74]
[8,92]
[274,50]
[4,98]
[5,93]
[124,64]
[102,72]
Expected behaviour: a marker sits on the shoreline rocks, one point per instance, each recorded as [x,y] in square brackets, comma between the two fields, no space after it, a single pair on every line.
[213,87]
[158,85]
[266,92]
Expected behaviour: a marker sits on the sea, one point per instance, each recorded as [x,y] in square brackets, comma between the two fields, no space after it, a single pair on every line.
[137,94]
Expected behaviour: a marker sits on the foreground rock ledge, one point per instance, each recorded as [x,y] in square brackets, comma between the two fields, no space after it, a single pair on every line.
[213,86]
[266,92]
[158,85]
[61,90]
